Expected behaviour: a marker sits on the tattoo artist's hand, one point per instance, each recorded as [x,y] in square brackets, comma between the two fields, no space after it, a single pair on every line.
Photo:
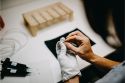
[68,61]
[83,48]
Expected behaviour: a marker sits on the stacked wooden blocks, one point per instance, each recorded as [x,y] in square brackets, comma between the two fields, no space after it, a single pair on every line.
[46,16]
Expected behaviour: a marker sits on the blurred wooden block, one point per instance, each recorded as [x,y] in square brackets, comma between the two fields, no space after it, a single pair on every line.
[46,16]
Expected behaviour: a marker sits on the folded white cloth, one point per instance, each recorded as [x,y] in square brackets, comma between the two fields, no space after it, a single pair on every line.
[6,49]
[11,42]
[67,60]
[18,36]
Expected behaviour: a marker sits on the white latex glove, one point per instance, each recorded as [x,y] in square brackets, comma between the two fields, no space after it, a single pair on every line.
[68,61]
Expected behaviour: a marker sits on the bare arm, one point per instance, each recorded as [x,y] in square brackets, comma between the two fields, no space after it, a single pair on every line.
[103,62]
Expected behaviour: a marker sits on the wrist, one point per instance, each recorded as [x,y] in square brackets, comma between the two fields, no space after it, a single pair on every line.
[90,57]
[73,80]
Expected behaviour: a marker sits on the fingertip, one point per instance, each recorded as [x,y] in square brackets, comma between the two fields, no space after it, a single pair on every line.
[70,46]
[70,38]
[65,40]
[67,44]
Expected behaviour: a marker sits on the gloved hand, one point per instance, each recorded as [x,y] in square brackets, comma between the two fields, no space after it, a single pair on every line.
[67,60]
